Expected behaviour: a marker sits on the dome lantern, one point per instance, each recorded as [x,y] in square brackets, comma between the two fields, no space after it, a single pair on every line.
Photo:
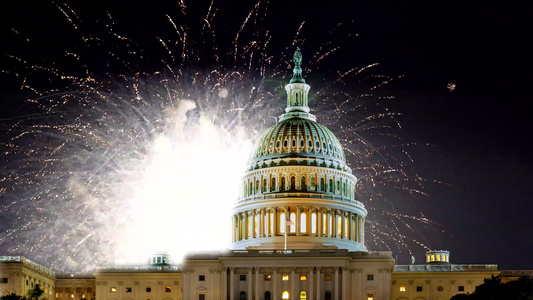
[297,93]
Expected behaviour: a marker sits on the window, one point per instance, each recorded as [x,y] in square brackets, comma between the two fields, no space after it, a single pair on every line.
[285,295]
[370,277]
[242,295]
[128,290]
[303,295]
[3,280]
[313,223]
[402,289]
[148,289]
[201,277]
[168,289]
[267,295]
[285,277]
[461,288]
[242,277]
[113,289]
[328,295]
[303,223]
[282,223]
[268,277]
[201,296]
[369,296]
[303,277]
[327,277]
[418,288]
[440,289]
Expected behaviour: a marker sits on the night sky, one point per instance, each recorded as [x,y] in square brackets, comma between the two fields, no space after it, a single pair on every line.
[478,135]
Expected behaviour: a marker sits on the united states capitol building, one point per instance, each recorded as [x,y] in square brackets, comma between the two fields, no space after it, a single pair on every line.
[297,233]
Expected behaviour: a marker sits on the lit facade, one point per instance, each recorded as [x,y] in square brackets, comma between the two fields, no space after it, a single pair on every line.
[297,233]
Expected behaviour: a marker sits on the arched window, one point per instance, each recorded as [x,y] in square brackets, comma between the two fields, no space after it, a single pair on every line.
[293,183]
[303,187]
[242,296]
[322,185]
[264,188]
[256,225]
[313,184]
[324,224]
[338,187]
[331,186]
[267,295]
[346,227]
[293,226]
[249,220]
[285,295]
[257,186]
[250,189]
[273,185]
[303,223]
[313,223]
[282,187]
[328,295]
[303,295]
[282,223]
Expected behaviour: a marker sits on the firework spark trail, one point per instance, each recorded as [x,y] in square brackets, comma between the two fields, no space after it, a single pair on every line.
[108,164]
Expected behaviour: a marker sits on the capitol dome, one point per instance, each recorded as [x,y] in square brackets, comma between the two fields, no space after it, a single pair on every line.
[297,191]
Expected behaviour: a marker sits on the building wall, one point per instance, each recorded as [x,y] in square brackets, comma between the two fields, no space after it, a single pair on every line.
[428,284]
[23,275]
[129,285]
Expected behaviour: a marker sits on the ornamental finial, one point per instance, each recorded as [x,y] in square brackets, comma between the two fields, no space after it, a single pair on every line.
[297,71]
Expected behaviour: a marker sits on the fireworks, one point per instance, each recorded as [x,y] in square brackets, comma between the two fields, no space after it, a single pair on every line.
[123,152]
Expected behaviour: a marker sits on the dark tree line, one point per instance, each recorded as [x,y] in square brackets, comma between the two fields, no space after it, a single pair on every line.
[494,289]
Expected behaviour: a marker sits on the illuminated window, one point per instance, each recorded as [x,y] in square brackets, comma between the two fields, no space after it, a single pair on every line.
[168,289]
[271,229]
[243,277]
[282,223]
[201,277]
[285,295]
[284,277]
[324,229]
[402,289]
[461,288]
[303,295]
[128,290]
[327,277]
[346,227]
[432,257]
[370,297]
[303,223]
[46,291]
[113,289]
[293,226]
[256,225]
[72,296]
[339,226]
[313,223]
[57,295]
[370,277]
[303,277]
[268,277]
[438,257]
[418,288]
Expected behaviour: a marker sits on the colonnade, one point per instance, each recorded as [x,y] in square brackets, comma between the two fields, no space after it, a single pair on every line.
[270,182]
[308,221]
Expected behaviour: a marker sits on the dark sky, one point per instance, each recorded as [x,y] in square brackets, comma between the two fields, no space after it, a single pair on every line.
[479,134]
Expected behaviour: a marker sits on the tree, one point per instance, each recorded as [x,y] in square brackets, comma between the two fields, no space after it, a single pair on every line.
[33,294]
[493,289]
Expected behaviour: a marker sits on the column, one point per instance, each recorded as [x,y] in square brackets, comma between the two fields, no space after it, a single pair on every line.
[410,287]
[136,283]
[294,292]
[275,295]
[343,225]
[257,297]
[253,225]
[231,283]
[336,283]
[275,227]
[262,222]
[224,283]
[250,291]
[328,223]
[318,283]
[319,229]
[310,285]
[297,227]
[344,283]
[352,285]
